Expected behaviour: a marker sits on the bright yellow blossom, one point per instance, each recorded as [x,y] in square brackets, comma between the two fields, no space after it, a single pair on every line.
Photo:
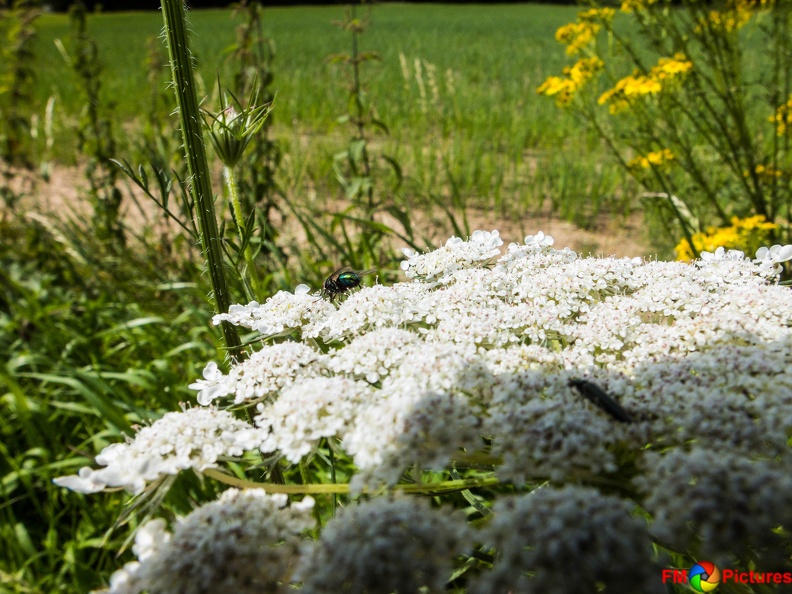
[783,118]
[655,158]
[766,173]
[621,96]
[597,14]
[583,70]
[576,36]
[747,234]
[670,67]
[634,5]
[627,89]
[733,17]
[564,88]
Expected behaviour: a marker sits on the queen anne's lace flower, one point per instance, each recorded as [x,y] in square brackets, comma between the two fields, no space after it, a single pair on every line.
[265,373]
[212,386]
[456,254]
[770,259]
[280,314]
[469,366]
[246,542]
[544,429]
[195,438]
[719,503]
[371,308]
[308,411]
[721,254]
[492,350]
[549,531]
[373,355]
[385,545]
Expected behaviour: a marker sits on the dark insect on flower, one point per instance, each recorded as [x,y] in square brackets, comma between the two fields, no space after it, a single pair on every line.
[601,399]
[341,281]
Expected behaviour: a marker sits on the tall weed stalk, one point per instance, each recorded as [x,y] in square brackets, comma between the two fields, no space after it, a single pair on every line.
[198,166]
[17,76]
[252,59]
[95,133]
[356,235]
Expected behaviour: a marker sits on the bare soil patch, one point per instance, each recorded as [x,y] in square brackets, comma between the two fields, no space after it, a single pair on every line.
[65,195]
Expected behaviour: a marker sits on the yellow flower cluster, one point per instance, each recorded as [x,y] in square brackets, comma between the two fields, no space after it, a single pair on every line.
[635,5]
[671,67]
[576,36]
[655,158]
[627,89]
[747,234]
[734,16]
[766,173]
[597,14]
[581,33]
[575,76]
[782,118]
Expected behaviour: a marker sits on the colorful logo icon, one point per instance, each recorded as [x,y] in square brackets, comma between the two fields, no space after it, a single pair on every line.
[704,577]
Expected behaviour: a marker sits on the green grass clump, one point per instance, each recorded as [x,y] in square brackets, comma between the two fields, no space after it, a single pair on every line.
[91,341]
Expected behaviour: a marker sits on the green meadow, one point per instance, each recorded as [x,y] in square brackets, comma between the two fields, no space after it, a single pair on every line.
[455,86]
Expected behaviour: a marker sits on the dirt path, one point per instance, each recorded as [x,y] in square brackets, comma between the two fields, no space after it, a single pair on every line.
[65,192]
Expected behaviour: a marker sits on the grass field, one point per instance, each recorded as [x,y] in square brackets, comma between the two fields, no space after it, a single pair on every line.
[456,87]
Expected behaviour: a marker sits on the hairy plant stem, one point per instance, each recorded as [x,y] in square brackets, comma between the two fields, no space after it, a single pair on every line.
[233,192]
[198,167]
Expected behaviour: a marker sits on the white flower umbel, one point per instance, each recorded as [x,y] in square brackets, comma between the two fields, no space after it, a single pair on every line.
[308,411]
[247,542]
[374,355]
[213,385]
[195,438]
[729,397]
[568,540]
[536,366]
[720,504]
[280,314]
[770,259]
[493,350]
[371,308]
[455,255]
[264,374]
[385,545]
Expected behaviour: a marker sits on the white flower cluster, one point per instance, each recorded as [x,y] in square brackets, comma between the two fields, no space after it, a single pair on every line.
[264,374]
[280,314]
[456,254]
[373,355]
[195,438]
[246,542]
[720,504]
[385,545]
[493,351]
[570,540]
[477,365]
[306,412]
[770,259]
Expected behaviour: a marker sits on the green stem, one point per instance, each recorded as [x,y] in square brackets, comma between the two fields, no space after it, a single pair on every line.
[198,167]
[320,488]
[233,192]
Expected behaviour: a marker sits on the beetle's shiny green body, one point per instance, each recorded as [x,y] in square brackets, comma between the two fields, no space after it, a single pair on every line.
[341,281]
